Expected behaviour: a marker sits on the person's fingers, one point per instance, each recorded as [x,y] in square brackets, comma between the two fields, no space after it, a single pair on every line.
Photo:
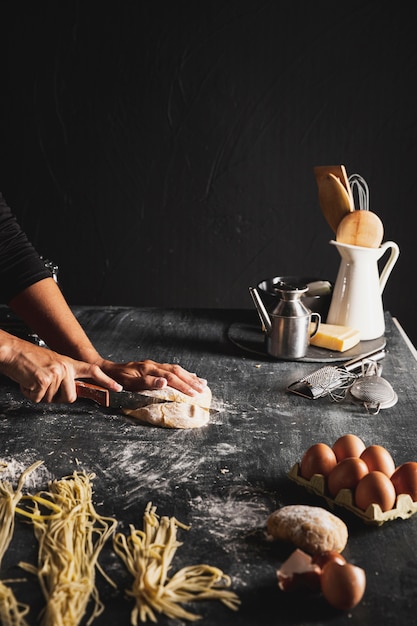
[148,374]
[34,395]
[65,393]
[96,374]
[180,379]
[168,379]
[175,376]
[51,383]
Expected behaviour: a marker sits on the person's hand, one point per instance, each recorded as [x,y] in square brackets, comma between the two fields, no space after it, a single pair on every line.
[43,308]
[46,376]
[140,375]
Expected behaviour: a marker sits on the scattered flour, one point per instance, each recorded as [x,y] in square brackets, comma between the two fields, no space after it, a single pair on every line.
[11,470]
[234,523]
[239,515]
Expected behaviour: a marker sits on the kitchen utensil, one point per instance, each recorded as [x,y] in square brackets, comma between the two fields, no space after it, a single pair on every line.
[288,326]
[335,196]
[317,297]
[373,392]
[361,228]
[114,399]
[357,294]
[334,380]
[337,170]
[359,186]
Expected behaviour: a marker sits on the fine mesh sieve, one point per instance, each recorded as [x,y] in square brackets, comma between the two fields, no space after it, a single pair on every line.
[374,393]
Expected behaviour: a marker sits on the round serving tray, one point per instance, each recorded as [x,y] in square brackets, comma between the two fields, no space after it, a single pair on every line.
[251,339]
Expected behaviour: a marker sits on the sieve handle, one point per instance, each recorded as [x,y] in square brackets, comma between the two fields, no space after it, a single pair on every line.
[375,355]
[308,389]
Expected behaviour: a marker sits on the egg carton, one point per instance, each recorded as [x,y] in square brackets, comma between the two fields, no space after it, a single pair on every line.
[405,507]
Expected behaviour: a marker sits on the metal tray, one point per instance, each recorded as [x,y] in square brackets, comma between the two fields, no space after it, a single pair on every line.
[250,338]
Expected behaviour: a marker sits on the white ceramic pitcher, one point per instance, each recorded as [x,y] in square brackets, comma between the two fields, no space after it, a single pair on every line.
[357,294]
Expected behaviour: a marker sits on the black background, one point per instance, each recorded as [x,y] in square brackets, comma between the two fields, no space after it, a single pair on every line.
[162,153]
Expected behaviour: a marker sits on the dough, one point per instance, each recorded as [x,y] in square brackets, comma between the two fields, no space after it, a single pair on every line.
[309,528]
[181,411]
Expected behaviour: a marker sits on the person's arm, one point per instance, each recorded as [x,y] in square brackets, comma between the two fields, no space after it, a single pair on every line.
[28,288]
[44,309]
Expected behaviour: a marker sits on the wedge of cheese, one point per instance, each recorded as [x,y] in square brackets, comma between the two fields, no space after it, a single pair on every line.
[334,337]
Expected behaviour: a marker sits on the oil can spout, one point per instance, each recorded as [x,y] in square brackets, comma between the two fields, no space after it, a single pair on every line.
[262,312]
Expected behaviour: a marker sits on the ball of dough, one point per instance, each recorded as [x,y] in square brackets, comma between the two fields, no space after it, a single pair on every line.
[310,528]
[181,410]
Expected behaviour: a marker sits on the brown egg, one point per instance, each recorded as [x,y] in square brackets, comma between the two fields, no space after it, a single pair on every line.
[404,479]
[378,458]
[348,445]
[321,558]
[343,585]
[375,488]
[346,475]
[318,459]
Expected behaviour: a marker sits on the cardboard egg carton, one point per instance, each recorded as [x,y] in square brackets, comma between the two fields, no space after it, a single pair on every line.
[405,507]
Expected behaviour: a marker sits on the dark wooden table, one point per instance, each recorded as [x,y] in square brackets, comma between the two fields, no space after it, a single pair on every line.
[224,479]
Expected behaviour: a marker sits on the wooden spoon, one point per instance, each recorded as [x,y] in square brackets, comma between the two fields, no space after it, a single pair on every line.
[334,199]
[361,228]
[339,171]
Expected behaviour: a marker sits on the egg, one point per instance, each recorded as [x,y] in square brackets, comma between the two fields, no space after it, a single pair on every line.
[348,445]
[342,585]
[375,488]
[346,475]
[321,558]
[317,459]
[404,479]
[378,458]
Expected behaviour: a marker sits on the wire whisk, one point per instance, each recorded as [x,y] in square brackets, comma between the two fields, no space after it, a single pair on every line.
[357,182]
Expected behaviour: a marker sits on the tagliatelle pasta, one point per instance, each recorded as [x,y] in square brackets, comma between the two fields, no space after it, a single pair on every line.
[12,612]
[70,540]
[148,555]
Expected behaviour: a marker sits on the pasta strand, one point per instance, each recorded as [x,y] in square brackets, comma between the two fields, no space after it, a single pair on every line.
[148,555]
[12,613]
[70,541]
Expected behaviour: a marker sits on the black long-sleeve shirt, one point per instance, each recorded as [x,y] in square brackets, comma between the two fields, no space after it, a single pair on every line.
[20,264]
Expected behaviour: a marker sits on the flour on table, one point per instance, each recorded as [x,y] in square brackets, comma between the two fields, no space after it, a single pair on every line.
[12,469]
